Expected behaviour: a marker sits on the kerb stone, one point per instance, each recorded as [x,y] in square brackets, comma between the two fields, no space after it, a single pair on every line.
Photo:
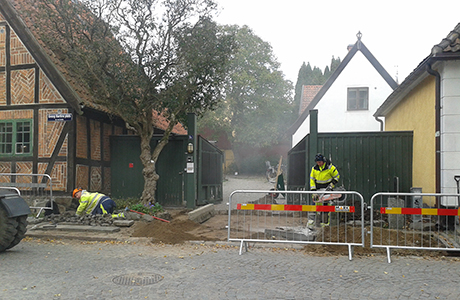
[202,214]
[123,223]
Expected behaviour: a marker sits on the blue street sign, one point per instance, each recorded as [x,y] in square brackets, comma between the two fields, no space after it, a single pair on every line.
[60,117]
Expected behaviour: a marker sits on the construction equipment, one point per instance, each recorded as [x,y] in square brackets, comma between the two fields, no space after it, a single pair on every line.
[279,181]
[332,198]
[13,218]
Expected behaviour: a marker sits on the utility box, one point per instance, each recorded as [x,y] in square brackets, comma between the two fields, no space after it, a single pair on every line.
[417,202]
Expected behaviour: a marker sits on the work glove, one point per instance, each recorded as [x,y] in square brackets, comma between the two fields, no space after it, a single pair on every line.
[315,197]
[330,187]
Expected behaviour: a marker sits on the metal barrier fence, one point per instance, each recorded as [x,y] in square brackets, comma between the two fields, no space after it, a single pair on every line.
[414,221]
[36,189]
[262,217]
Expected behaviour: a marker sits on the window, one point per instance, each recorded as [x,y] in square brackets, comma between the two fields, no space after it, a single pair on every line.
[358,98]
[16,137]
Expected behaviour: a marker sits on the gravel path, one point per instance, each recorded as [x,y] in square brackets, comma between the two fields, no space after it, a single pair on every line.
[242,182]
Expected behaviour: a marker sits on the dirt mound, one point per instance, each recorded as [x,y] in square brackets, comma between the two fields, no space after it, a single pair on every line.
[181,229]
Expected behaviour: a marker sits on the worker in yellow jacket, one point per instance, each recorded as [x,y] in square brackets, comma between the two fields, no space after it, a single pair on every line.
[94,203]
[324,175]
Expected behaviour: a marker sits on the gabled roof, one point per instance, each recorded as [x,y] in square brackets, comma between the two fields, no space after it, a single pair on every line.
[448,48]
[53,65]
[358,46]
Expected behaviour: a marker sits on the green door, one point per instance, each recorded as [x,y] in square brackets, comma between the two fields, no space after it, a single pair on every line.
[170,168]
[126,169]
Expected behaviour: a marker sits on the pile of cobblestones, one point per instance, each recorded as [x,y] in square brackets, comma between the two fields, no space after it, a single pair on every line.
[94,220]
[71,218]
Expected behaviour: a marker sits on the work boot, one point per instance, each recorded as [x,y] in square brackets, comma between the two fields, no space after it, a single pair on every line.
[119,215]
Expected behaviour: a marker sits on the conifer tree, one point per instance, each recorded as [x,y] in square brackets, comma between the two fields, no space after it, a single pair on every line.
[312,76]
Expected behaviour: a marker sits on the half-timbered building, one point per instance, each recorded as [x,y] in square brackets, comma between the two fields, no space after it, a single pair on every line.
[48,122]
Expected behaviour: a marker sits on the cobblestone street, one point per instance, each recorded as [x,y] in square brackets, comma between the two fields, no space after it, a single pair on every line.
[37,269]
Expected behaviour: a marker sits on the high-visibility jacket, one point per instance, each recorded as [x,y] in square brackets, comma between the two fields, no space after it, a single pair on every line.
[88,202]
[321,177]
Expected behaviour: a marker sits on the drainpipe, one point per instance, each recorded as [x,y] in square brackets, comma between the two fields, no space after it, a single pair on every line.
[381,123]
[438,126]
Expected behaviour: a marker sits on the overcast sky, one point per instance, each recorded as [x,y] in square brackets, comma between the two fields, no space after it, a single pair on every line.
[399,33]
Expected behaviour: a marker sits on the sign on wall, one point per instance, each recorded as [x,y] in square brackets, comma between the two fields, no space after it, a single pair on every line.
[62,117]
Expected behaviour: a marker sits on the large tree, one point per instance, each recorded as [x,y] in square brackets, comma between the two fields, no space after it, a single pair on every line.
[257,108]
[142,56]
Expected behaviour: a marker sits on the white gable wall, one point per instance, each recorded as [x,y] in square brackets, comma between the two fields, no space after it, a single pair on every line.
[450,126]
[332,108]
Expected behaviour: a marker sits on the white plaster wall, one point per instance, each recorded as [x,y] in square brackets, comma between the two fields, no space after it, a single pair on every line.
[332,108]
[301,132]
[450,127]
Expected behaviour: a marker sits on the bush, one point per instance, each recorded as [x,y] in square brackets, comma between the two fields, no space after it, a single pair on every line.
[148,209]
[134,204]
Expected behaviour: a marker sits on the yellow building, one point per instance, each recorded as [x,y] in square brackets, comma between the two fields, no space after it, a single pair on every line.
[428,103]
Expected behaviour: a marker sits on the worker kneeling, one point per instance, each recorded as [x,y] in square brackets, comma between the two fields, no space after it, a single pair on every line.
[94,204]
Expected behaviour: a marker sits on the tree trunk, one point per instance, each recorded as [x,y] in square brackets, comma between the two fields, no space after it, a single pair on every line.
[149,160]
[149,172]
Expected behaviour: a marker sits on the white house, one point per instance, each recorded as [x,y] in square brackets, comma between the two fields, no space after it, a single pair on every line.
[349,98]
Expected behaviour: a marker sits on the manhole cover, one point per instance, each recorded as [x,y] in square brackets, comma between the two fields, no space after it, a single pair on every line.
[137,279]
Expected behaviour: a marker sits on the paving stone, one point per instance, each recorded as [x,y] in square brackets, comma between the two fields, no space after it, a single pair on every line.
[202,214]
[123,223]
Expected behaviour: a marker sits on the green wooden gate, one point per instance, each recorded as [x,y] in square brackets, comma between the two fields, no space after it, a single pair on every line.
[126,169]
[127,180]
[368,162]
[210,175]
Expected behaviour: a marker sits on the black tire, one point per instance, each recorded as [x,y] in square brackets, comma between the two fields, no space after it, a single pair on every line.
[21,231]
[12,230]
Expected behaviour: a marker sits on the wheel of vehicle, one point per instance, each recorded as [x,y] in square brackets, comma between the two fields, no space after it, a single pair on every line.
[12,230]
[21,231]
[7,230]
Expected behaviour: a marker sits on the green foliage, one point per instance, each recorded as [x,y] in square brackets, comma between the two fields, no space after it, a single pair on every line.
[136,204]
[136,57]
[126,202]
[147,209]
[257,108]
